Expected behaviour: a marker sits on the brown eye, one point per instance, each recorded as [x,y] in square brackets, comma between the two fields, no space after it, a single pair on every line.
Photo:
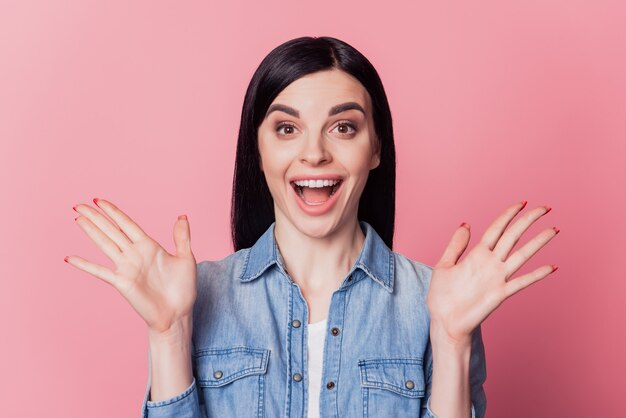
[346,128]
[288,129]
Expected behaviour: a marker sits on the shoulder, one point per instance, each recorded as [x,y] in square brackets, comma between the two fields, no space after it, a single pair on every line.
[216,285]
[211,273]
[409,271]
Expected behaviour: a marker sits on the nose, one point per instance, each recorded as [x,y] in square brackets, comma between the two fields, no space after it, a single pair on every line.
[314,151]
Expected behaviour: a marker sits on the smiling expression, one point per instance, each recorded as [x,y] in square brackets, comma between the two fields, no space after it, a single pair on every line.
[317,145]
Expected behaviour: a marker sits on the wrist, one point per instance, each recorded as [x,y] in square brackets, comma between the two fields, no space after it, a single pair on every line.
[170,359]
[178,332]
[443,340]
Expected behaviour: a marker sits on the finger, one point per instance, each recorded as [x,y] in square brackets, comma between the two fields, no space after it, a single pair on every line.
[102,240]
[515,285]
[94,269]
[182,237]
[514,232]
[495,230]
[126,224]
[519,257]
[455,247]
[105,225]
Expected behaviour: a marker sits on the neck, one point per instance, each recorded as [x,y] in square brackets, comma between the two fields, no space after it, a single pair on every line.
[319,264]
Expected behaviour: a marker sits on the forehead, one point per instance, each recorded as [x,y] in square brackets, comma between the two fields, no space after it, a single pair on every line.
[322,90]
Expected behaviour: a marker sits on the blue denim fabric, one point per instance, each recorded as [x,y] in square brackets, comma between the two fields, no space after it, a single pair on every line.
[249,350]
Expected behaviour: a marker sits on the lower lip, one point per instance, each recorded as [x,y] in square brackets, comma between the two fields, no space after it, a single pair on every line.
[320,209]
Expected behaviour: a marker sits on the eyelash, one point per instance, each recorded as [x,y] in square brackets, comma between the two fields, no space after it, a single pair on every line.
[340,123]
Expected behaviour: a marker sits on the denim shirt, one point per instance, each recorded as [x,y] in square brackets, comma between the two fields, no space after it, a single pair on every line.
[249,343]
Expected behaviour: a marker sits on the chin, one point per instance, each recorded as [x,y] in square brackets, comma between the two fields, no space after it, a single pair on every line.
[318,227]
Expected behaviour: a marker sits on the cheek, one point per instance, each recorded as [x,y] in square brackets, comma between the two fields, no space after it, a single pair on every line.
[273,161]
[273,164]
[358,160]
[266,154]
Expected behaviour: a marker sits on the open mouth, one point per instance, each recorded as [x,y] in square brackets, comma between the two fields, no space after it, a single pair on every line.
[316,192]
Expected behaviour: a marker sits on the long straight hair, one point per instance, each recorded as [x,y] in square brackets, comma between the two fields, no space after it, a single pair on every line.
[252,210]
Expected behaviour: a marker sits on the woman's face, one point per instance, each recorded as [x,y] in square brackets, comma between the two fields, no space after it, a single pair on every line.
[317,145]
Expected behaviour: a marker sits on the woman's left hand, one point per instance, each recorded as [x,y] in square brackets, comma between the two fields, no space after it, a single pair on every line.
[462,295]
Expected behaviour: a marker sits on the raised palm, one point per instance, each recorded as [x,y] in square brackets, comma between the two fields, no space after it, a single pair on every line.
[462,294]
[160,286]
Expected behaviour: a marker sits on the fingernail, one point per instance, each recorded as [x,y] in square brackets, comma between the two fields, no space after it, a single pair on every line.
[95,200]
[554,267]
[465,225]
[76,217]
[548,209]
[183,217]
[65,259]
[523,204]
[74,207]
[556,229]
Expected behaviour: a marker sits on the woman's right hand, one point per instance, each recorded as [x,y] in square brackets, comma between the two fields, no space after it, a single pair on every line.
[160,286]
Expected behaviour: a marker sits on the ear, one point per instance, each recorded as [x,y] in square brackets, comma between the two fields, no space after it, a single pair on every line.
[375,162]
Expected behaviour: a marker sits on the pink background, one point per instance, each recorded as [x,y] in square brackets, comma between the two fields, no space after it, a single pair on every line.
[139,102]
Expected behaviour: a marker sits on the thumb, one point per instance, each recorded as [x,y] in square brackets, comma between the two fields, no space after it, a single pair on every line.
[182,237]
[455,248]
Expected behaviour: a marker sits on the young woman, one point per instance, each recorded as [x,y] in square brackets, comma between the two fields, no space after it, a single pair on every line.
[314,314]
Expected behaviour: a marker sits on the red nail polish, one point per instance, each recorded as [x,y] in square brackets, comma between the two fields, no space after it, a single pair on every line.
[465,225]
[95,200]
[76,217]
[554,267]
[74,207]
[548,209]
[523,204]
[183,217]
[65,259]
[556,229]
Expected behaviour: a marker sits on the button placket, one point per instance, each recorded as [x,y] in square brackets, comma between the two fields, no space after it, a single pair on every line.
[297,351]
[332,352]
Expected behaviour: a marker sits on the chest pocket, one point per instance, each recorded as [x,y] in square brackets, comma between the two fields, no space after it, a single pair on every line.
[232,380]
[392,387]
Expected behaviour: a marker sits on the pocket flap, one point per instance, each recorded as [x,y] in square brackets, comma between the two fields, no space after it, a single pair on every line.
[404,376]
[218,367]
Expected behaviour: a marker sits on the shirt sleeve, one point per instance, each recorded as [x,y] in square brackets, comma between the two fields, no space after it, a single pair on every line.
[477,377]
[183,405]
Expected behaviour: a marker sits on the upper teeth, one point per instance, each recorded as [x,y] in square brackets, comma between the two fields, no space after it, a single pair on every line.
[316,183]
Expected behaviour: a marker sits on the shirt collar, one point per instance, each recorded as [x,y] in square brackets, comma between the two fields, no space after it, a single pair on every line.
[375,260]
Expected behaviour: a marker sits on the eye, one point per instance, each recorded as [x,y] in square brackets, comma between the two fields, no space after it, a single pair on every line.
[289,128]
[346,127]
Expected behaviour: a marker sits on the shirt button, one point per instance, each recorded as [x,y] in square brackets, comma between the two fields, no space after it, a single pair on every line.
[297,377]
[335,331]
[218,374]
[409,384]
[295,323]
[330,385]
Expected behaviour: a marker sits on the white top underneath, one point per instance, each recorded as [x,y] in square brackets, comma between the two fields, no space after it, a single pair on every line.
[315,345]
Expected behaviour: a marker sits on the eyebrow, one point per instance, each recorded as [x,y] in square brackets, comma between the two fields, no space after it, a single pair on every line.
[333,110]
